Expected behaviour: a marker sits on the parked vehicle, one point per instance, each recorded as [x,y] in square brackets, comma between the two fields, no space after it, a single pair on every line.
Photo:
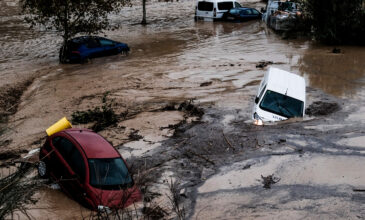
[80,49]
[88,168]
[281,95]
[241,14]
[212,10]
[281,16]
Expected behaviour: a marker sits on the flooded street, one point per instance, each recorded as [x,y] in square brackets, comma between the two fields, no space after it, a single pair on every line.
[219,160]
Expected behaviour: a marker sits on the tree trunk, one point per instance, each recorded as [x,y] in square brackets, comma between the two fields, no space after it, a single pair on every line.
[144,12]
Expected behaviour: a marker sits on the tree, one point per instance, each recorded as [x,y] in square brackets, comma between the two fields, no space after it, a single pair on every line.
[336,21]
[144,21]
[70,17]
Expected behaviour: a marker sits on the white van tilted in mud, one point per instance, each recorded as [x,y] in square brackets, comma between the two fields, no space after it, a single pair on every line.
[281,95]
[210,10]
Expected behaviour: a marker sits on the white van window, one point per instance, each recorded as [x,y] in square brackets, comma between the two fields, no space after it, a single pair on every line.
[205,6]
[225,5]
[237,5]
[262,92]
[282,105]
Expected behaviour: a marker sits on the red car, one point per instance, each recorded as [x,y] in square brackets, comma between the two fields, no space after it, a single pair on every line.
[88,168]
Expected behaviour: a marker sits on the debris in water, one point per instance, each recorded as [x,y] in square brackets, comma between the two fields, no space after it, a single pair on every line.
[16,190]
[154,212]
[336,50]
[55,186]
[262,64]
[206,84]
[191,109]
[322,108]
[11,154]
[269,180]
[103,117]
[358,190]
[134,136]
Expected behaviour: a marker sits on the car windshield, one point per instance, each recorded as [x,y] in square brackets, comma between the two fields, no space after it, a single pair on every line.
[111,173]
[282,105]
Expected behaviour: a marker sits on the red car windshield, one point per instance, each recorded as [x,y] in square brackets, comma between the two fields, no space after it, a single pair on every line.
[109,174]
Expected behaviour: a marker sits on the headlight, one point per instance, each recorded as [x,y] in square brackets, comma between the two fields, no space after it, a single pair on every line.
[257,120]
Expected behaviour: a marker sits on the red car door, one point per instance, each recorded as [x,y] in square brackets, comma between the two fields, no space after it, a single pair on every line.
[69,167]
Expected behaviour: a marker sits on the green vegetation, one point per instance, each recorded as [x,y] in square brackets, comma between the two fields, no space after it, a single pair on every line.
[336,21]
[16,191]
[102,117]
[71,17]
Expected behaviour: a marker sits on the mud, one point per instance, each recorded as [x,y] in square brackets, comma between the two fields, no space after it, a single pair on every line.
[319,108]
[208,145]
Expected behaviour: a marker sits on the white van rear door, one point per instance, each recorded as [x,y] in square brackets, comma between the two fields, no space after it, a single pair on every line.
[205,9]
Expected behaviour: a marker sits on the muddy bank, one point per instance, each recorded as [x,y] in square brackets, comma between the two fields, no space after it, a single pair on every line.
[218,160]
[220,168]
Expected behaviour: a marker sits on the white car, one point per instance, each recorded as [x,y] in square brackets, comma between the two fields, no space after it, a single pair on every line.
[281,95]
[211,10]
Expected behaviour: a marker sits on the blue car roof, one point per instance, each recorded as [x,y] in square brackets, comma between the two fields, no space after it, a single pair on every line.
[243,8]
[82,39]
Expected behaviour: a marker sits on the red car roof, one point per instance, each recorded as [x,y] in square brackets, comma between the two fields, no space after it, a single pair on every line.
[94,145]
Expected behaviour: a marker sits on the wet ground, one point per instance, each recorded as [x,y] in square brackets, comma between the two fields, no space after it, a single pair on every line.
[218,159]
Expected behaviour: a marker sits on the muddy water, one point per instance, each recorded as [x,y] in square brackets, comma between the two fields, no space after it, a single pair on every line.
[170,58]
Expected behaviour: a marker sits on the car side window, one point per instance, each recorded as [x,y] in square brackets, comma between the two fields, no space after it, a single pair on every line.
[262,92]
[237,5]
[255,12]
[71,155]
[205,6]
[77,163]
[225,5]
[93,43]
[105,42]
[233,11]
[246,12]
[63,146]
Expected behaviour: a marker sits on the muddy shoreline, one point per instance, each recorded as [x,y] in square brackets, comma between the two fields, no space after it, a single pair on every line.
[217,158]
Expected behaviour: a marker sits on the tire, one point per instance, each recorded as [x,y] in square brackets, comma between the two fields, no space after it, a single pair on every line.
[42,169]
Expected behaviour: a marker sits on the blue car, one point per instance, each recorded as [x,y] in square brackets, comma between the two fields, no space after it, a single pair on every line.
[241,14]
[80,49]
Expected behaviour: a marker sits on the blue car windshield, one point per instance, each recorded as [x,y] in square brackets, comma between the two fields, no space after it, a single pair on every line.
[111,173]
[282,105]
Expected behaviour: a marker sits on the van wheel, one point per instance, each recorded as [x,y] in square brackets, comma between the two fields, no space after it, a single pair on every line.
[42,169]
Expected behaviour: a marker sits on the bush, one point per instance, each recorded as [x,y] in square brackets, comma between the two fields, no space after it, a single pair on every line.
[336,21]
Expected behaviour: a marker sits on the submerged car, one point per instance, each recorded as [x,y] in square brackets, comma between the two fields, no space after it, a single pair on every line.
[241,14]
[80,49]
[88,168]
[213,10]
[281,95]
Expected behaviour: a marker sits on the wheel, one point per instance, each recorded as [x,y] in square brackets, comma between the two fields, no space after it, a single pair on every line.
[42,169]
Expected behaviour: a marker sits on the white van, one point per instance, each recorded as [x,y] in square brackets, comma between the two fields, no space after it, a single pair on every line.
[211,10]
[281,95]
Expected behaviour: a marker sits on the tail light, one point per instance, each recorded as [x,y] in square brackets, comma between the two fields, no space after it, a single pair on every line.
[215,12]
[75,52]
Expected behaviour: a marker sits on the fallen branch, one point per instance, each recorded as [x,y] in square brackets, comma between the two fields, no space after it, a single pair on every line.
[358,190]
[201,156]
[226,139]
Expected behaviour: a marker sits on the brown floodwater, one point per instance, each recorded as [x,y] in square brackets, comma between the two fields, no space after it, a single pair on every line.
[169,59]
